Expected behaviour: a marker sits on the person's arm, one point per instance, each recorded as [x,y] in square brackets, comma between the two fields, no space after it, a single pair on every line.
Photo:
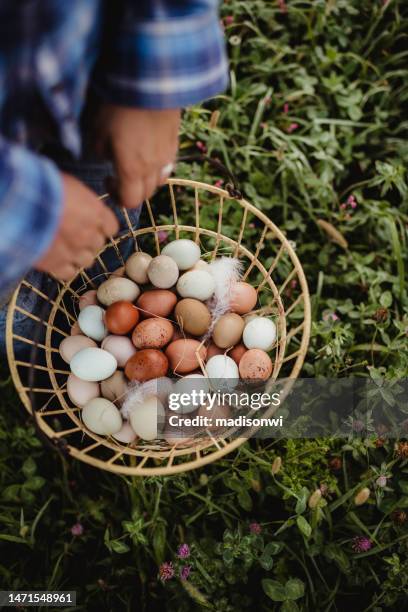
[48,220]
[159,56]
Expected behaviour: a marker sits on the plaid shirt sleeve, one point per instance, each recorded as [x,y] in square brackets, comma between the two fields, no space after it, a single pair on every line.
[164,54]
[31,204]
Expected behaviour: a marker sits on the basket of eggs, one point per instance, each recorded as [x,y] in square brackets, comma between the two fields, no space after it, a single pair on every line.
[223,299]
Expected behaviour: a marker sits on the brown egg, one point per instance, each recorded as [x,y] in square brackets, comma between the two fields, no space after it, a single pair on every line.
[156,303]
[243,298]
[152,333]
[237,352]
[178,333]
[228,330]
[114,388]
[147,364]
[121,317]
[213,349]
[255,364]
[193,316]
[218,411]
[87,299]
[182,355]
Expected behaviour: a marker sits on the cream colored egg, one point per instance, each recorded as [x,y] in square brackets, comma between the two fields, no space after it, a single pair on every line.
[185,253]
[102,417]
[121,347]
[147,418]
[72,344]
[93,364]
[115,387]
[116,289]
[201,265]
[259,333]
[80,392]
[126,434]
[136,267]
[91,322]
[198,284]
[163,272]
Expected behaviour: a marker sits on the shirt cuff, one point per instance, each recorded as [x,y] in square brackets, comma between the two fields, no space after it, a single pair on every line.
[31,199]
[162,64]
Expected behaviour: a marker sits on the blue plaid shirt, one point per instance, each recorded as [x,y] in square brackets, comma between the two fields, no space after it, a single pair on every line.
[145,53]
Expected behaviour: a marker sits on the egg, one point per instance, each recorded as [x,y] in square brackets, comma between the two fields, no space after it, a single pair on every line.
[182,355]
[75,329]
[193,316]
[126,434]
[217,411]
[259,333]
[243,298]
[121,317]
[80,392]
[200,265]
[213,349]
[146,364]
[147,418]
[255,364]
[72,344]
[121,347]
[152,333]
[93,364]
[192,387]
[163,272]
[91,322]
[160,387]
[119,271]
[237,352]
[136,267]
[87,299]
[157,303]
[102,417]
[115,387]
[222,372]
[116,289]
[228,330]
[179,436]
[185,253]
[198,284]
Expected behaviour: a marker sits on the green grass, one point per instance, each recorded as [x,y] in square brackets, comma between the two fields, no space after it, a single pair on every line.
[341,67]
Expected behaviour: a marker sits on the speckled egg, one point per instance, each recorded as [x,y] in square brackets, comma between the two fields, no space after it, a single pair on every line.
[152,333]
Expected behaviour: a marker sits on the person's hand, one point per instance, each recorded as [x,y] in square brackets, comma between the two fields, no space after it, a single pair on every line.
[143,144]
[85,224]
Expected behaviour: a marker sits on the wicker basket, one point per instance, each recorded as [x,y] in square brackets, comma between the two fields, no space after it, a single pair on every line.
[272,267]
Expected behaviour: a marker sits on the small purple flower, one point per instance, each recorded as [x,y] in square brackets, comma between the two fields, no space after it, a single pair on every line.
[229,19]
[351,201]
[286,108]
[361,544]
[77,529]
[166,571]
[162,236]
[219,183]
[332,316]
[185,572]
[381,481]
[292,127]
[183,551]
[358,425]
[201,146]
[255,528]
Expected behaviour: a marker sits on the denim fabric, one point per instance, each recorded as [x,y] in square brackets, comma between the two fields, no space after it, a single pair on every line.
[94,175]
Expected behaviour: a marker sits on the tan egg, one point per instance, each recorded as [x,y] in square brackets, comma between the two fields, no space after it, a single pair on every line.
[80,392]
[182,355]
[71,345]
[218,411]
[119,271]
[87,299]
[114,388]
[116,289]
[243,298]
[75,329]
[147,364]
[193,316]
[255,364]
[228,330]
[156,303]
[213,349]
[163,272]
[237,352]
[126,435]
[136,267]
[152,333]
[121,347]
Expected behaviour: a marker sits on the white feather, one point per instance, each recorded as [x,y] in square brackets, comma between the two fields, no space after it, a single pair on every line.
[226,271]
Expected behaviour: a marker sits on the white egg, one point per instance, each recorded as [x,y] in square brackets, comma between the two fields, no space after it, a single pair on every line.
[121,347]
[259,333]
[185,253]
[147,418]
[193,387]
[91,322]
[222,372]
[116,289]
[126,434]
[197,284]
[72,344]
[136,267]
[102,417]
[163,272]
[93,364]
[80,392]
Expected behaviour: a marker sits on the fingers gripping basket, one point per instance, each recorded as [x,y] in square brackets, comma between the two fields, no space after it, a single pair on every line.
[223,224]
